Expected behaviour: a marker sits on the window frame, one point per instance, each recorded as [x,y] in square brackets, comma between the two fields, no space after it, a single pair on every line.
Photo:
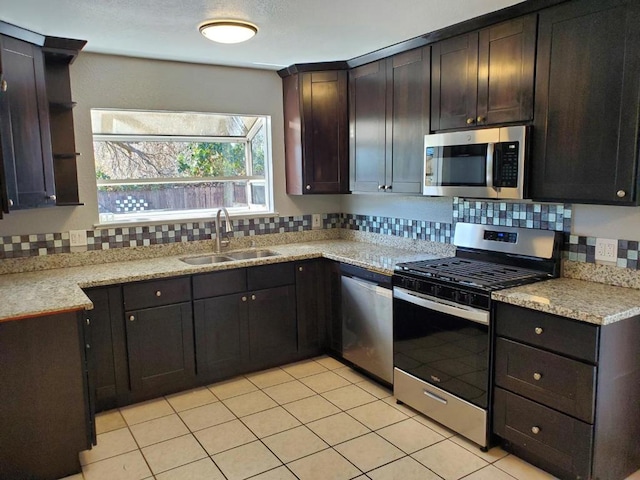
[251,210]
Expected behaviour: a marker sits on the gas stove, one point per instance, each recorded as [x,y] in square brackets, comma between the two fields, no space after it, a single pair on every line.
[487,258]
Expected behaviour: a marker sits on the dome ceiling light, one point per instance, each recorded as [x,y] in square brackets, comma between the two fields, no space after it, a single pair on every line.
[228,31]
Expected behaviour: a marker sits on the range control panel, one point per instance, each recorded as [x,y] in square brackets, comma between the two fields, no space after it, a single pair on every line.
[497,236]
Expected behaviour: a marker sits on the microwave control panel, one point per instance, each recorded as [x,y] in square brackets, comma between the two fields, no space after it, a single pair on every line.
[507,174]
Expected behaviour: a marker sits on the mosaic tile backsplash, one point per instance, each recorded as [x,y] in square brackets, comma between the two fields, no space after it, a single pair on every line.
[555,217]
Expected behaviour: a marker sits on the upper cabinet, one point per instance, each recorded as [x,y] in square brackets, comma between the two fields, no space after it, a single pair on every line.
[388,118]
[24,127]
[484,77]
[585,144]
[37,146]
[316,143]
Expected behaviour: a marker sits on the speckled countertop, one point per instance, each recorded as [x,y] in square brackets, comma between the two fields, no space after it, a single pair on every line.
[58,290]
[578,299]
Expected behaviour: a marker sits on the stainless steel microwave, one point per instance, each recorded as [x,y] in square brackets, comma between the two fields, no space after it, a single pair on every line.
[483,163]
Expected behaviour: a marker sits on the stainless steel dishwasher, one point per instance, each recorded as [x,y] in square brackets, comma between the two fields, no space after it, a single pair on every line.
[367,321]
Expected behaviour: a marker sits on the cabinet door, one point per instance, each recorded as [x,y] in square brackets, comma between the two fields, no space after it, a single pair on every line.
[325,130]
[410,80]
[273,336]
[24,130]
[586,109]
[312,303]
[109,369]
[221,336]
[367,125]
[506,62]
[160,346]
[454,82]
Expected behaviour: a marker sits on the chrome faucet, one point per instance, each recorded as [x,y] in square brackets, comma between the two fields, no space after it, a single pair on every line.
[228,229]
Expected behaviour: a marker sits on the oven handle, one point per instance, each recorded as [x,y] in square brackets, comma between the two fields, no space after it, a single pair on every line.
[468,313]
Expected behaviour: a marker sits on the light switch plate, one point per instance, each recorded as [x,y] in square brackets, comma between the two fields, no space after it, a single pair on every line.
[606,250]
[77,238]
[316,221]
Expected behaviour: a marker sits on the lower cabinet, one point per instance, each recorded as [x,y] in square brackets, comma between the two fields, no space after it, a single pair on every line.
[160,348]
[156,337]
[45,416]
[566,395]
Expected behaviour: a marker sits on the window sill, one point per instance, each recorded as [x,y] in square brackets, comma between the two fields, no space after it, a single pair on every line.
[176,219]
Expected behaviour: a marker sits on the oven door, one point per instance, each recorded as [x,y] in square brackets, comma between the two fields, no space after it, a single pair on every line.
[443,344]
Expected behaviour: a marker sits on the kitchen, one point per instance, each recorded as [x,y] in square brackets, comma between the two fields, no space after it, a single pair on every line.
[98,82]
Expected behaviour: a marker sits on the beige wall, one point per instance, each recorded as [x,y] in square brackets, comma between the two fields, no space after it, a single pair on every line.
[120,82]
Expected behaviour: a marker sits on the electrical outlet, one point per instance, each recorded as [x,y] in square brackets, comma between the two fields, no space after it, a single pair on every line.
[606,250]
[316,221]
[77,238]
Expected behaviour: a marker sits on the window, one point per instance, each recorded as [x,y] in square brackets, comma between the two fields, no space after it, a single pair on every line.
[176,165]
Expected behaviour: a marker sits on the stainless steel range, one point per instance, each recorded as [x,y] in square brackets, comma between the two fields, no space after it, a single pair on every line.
[442,320]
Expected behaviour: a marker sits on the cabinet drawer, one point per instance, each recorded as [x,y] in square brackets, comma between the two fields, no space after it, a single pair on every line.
[268,276]
[561,335]
[216,284]
[558,382]
[156,293]
[544,433]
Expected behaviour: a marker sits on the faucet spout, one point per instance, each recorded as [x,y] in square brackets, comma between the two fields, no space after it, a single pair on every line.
[220,242]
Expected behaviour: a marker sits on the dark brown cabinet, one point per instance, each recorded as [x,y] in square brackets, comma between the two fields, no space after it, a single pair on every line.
[389,116]
[44,410]
[109,370]
[565,393]
[585,137]
[24,131]
[484,77]
[316,129]
[312,305]
[159,333]
[37,145]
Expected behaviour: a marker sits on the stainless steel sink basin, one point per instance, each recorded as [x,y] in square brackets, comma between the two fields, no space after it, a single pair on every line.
[246,254]
[228,257]
[206,259]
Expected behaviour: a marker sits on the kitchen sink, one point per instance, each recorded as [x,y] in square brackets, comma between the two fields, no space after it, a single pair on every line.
[229,257]
[206,259]
[246,254]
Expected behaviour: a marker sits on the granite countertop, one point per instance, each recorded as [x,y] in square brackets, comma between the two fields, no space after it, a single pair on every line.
[590,302]
[58,290]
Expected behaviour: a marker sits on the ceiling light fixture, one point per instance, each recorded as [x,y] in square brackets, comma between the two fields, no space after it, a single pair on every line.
[228,31]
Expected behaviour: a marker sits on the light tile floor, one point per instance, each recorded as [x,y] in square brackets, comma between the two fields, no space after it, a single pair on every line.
[312,420]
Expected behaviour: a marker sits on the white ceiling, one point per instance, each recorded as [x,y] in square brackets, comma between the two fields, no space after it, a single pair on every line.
[290,31]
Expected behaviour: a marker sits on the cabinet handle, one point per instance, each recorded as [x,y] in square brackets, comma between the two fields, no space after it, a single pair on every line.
[4,86]
[244,299]
[538,330]
[10,203]
[51,197]
[308,187]
[300,269]
[132,318]
[388,187]
[621,193]
[253,297]
[158,293]
[470,121]
[537,376]
[481,119]
[88,321]
[535,430]
[380,187]
[87,346]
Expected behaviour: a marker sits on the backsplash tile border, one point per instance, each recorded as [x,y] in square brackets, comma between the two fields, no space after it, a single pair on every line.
[487,212]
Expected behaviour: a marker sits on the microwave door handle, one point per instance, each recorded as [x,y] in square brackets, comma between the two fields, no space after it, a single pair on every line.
[491,165]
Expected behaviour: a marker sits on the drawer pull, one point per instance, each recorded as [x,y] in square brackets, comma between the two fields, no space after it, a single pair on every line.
[132,318]
[537,376]
[244,299]
[253,297]
[538,330]
[158,293]
[435,397]
[535,430]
